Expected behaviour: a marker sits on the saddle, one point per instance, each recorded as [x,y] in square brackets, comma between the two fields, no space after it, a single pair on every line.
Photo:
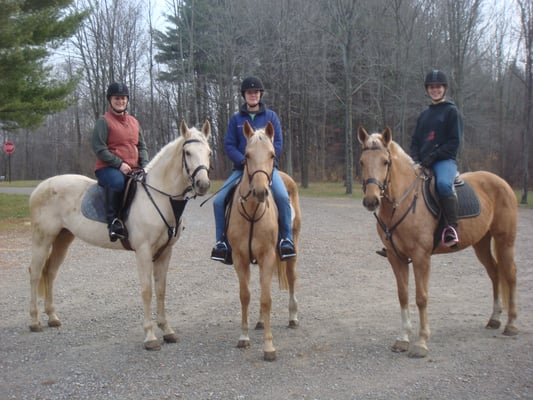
[93,203]
[468,202]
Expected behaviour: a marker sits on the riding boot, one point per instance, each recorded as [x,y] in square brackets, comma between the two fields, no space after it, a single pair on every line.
[114,224]
[449,207]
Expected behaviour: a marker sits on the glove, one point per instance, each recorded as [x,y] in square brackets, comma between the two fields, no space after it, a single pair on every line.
[428,160]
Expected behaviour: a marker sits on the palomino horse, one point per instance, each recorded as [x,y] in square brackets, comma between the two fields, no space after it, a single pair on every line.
[392,182]
[177,173]
[253,234]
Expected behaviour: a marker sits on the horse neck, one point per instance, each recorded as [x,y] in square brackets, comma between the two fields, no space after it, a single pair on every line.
[402,183]
[166,173]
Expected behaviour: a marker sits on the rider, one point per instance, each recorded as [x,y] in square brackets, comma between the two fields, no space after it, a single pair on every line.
[120,148]
[258,115]
[435,144]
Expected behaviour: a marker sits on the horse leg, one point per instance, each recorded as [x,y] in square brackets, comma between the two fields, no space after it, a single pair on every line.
[421,272]
[293,303]
[243,273]
[401,272]
[507,279]
[55,259]
[144,270]
[265,281]
[47,256]
[160,279]
[484,255]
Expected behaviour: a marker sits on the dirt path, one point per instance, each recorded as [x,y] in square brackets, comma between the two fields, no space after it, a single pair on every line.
[349,317]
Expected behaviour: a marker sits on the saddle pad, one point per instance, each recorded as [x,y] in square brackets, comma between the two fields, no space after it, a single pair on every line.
[93,204]
[469,205]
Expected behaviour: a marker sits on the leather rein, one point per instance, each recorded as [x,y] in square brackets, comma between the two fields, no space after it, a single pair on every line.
[384,192]
[177,201]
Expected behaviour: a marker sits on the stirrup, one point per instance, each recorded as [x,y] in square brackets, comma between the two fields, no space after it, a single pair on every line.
[222,252]
[117,231]
[449,236]
[286,249]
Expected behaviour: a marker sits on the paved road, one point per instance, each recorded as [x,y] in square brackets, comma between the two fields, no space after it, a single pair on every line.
[16,190]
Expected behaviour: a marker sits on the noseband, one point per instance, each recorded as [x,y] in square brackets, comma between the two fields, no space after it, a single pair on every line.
[382,185]
[253,174]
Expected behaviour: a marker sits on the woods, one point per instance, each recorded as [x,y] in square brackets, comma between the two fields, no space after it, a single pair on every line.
[327,65]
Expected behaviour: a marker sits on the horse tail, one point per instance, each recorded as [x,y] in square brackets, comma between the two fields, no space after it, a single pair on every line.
[281,271]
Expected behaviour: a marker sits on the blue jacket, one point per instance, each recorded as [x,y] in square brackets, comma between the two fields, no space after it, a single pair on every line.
[438,133]
[235,141]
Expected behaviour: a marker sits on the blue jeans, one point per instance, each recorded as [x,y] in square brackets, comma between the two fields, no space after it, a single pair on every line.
[281,198]
[445,172]
[112,178]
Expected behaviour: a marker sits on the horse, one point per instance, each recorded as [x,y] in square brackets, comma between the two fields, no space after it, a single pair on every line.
[391,185]
[178,172]
[252,233]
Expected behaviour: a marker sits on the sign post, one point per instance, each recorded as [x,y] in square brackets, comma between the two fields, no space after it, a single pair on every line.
[9,148]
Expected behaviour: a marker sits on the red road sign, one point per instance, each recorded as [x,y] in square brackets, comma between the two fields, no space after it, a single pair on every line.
[9,147]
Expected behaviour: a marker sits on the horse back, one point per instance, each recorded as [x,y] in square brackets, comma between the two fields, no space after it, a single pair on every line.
[496,196]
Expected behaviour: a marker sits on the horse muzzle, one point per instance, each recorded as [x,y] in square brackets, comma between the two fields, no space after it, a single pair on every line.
[371,202]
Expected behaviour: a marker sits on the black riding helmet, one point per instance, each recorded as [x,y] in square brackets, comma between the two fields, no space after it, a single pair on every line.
[117,89]
[252,83]
[436,77]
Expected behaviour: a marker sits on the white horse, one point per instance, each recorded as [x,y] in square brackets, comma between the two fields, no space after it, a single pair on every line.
[177,173]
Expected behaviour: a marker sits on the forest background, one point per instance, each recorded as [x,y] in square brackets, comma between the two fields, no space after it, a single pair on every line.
[327,65]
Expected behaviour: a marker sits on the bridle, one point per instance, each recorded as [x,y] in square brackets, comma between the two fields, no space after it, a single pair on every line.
[388,230]
[177,201]
[253,217]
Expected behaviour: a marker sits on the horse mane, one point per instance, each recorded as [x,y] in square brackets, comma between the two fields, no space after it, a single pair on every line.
[170,146]
[397,150]
[259,136]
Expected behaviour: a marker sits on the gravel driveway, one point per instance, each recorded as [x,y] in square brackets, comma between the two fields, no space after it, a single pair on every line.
[349,317]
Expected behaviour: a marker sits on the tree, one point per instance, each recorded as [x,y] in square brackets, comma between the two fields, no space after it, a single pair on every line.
[526,19]
[29,31]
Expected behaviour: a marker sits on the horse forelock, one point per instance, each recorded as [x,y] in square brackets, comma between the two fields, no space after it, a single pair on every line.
[259,136]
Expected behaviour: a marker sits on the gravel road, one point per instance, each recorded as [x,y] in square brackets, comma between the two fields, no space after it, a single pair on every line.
[349,317]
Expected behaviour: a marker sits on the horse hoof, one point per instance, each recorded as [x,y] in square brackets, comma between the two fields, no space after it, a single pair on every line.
[269,356]
[54,323]
[510,331]
[36,328]
[418,351]
[171,338]
[293,324]
[243,344]
[152,345]
[259,326]
[493,324]
[400,346]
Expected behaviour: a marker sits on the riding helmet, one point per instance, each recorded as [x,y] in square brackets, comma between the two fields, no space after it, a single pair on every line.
[436,77]
[251,83]
[117,89]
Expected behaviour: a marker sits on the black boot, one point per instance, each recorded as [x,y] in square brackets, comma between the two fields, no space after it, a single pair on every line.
[449,207]
[114,224]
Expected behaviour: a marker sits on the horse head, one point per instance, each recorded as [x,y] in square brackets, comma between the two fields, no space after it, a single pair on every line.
[260,158]
[196,156]
[376,164]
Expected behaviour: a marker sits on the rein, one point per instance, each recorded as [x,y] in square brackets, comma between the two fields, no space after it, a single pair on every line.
[384,188]
[253,217]
[177,201]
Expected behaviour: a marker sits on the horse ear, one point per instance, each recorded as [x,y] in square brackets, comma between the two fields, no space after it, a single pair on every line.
[248,131]
[206,129]
[386,135]
[183,128]
[362,135]
[269,130]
